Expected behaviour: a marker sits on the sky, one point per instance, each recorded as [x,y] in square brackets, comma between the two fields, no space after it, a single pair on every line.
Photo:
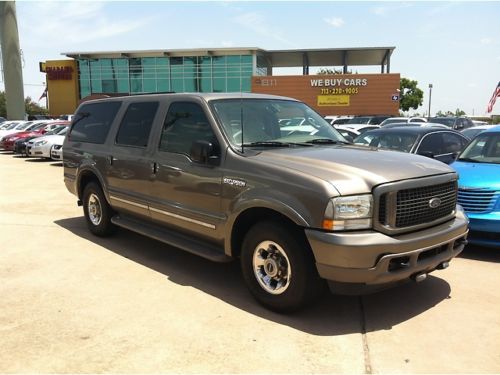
[453,45]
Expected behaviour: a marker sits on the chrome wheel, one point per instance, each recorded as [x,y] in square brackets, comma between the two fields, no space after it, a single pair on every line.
[94,209]
[272,267]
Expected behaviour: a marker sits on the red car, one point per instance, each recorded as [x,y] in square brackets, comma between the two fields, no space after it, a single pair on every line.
[7,143]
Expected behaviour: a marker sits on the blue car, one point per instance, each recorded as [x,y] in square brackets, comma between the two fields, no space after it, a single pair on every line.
[478,167]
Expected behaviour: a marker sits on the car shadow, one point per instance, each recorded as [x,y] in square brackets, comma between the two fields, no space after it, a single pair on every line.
[484,254]
[332,315]
[38,160]
[56,163]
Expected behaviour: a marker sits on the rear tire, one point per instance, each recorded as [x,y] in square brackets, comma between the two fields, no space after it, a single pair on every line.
[278,267]
[97,211]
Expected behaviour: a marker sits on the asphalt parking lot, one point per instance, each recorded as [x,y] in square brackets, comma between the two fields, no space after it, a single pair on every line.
[74,303]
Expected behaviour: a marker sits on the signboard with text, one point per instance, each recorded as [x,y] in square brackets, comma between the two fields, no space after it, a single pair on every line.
[346,94]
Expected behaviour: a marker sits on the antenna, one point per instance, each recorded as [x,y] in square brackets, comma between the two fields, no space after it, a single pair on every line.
[241,122]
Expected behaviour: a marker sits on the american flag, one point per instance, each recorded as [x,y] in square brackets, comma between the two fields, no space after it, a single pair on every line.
[493,99]
[44,94]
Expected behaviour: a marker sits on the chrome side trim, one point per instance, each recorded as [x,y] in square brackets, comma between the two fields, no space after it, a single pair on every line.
[128,202]
[203,224]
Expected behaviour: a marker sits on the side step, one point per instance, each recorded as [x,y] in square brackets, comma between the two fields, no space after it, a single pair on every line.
[182,241]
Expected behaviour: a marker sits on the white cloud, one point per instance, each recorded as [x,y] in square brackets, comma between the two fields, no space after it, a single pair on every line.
[68,23]
[486,41]
[335,21]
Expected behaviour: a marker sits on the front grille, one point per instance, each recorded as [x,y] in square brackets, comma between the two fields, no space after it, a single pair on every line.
[414,208]
[401,209]
[478,200]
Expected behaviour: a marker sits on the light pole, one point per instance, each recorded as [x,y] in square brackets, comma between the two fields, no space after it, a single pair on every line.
[430,97]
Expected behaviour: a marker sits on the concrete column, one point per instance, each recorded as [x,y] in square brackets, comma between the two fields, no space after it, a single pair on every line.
[11,60]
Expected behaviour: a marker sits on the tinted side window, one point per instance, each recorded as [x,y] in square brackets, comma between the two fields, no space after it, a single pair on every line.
[92,122]
[136,124]
[185,123]
[432,143]
[452,143]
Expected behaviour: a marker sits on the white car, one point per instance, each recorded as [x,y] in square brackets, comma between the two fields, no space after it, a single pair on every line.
[360,128]
[41,147]
[14,127]
[409,120]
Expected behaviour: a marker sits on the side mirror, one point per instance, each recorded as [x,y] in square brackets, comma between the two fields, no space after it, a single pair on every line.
[204,152]
[428,154]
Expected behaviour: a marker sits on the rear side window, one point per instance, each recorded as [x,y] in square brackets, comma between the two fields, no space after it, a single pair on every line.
[136,124]
[92,122]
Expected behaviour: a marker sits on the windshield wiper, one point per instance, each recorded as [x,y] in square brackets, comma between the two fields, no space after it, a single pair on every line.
[327,141]
[266,144]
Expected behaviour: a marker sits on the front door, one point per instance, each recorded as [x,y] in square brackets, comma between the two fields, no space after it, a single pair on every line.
[185,194]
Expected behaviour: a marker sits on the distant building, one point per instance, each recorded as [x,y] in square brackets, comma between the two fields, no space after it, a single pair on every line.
[95,74]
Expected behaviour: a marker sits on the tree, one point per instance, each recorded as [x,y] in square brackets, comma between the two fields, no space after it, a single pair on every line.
[31,107]
[410,96]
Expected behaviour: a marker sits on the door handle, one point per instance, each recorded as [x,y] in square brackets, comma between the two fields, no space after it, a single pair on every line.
[154,167]
[111,159]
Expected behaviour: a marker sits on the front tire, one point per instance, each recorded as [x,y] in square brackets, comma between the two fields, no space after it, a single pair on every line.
[97,211]
[278,267]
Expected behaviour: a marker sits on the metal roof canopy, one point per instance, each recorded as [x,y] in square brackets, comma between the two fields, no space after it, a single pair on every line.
[304,58]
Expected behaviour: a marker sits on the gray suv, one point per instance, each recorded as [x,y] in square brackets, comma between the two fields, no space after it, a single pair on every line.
[218,176]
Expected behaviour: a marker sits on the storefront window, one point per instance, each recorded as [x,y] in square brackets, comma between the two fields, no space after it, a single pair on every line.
[163,74]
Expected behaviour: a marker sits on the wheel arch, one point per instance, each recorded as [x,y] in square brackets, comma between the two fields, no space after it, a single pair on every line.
[250,216]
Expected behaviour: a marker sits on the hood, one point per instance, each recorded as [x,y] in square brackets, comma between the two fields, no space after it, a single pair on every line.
[354,169]
[478,175]
[54,139]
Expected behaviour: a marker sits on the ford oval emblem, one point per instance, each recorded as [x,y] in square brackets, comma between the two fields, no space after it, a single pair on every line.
[435,203]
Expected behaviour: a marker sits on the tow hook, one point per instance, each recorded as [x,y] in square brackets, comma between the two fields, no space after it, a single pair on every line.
[418,277]
[442,266]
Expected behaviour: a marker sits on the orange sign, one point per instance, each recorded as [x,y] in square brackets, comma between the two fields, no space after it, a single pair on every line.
[338,94]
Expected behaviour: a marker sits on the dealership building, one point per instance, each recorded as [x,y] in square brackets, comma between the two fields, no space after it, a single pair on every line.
[98,74]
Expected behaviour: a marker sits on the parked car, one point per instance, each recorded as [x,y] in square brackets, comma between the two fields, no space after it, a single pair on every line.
[212,173]
[2,119]
[407,120]
[472,132]
[457,123]
[372,120]
[360,128]
[421,124]
[14,127]
[478,167]
[20,144]
[440,144]
[348,134]
[36,128]
[337,120]
[41,147]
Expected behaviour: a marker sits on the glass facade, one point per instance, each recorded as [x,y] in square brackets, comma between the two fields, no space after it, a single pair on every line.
[230,73]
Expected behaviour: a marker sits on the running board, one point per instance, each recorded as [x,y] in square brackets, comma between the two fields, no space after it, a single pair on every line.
[182,241]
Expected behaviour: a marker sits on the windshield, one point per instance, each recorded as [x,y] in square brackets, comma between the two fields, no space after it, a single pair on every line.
[485,148]
[387,141]
[249,122]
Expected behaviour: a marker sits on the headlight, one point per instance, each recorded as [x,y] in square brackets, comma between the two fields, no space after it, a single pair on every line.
[40,143]
[345,213]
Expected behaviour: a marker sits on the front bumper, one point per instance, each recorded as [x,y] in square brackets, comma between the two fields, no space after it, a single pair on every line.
[56,152]
[376,259]
[485,229]
[42,151]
